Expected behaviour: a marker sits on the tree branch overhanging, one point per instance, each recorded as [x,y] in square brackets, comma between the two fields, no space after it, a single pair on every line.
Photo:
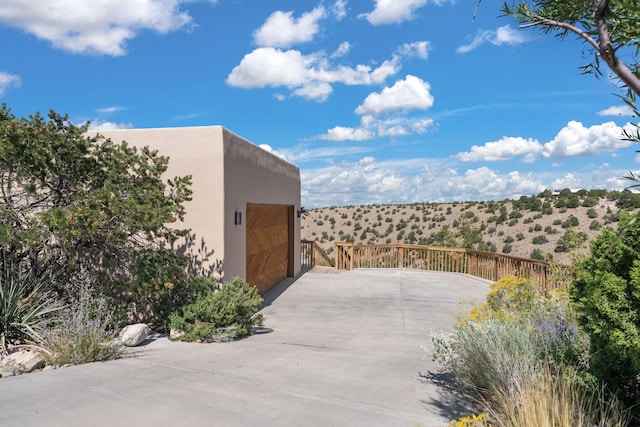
[553,23]
[603,46]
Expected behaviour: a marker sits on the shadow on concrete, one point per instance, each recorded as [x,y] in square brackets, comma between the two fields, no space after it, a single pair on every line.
[451,403]
[154,336]
[144,347]
[272,294]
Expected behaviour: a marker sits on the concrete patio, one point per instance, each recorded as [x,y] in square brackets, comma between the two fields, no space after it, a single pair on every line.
[343,350]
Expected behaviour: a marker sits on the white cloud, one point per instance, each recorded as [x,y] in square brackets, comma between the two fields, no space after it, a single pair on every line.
[306,153]
[498,37]
[421,125]
[188,116]
[282,30]
[408,94]
[108,110]
[487,184]
[386,113]
[571,141]
[507,35]
[8,80]
[106,125]
[339,9]
[342,50]
[617,110]
[341,133]
[567,181]
[268,66]
[100,28]
[419,49]
[503,149]
[577,140]
[396,11]
[369,180]
[316,90]
[374,127]
[364,181]
[308,76]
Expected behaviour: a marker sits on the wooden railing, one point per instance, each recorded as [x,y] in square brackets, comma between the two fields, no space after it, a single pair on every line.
[312,254]
[486,265]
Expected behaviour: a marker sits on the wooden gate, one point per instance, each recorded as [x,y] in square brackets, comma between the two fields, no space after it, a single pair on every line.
[269,245]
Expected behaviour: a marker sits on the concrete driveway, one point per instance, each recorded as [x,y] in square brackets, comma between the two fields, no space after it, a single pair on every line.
[344,350]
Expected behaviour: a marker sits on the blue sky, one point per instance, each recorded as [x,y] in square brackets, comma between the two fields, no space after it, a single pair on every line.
[377,101]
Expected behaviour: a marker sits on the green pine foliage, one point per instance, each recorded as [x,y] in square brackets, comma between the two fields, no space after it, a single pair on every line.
[606,294]
[71,202]
[223,315]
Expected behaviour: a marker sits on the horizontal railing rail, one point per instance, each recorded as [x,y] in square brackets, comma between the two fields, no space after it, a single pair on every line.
[486,265]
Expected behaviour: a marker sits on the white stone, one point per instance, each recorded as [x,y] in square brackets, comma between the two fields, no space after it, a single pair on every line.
[175,334]
[7,373]
[133,335]
[36,361]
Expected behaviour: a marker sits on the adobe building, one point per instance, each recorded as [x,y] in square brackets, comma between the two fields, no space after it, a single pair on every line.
[245,209]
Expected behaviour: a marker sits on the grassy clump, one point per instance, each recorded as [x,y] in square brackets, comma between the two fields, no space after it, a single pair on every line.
[224,315]
[558,399]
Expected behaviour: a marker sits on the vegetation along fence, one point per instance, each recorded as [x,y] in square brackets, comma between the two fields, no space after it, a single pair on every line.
[486,265]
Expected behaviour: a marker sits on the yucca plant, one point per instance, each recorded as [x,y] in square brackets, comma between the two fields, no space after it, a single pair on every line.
[25,304]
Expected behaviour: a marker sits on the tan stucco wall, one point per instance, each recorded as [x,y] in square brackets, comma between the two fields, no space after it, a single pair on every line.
[227,173]
[253,175]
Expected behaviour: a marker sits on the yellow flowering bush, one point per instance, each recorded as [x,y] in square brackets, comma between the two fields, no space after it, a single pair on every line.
[510,299]
[471,421]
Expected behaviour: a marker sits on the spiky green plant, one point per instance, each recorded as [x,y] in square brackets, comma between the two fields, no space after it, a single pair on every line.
[25,305]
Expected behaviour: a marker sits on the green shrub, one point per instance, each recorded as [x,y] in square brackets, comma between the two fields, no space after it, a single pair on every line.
[589,202]
[606,294]
[538,240]
[220,316]
[537,254]
[159,285]
[85,331]
[571,240]
[572,221]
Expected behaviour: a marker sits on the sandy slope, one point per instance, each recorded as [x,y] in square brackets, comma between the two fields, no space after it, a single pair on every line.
[325,225]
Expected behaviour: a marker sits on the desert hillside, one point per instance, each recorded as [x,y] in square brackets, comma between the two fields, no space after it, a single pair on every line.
[547,226]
